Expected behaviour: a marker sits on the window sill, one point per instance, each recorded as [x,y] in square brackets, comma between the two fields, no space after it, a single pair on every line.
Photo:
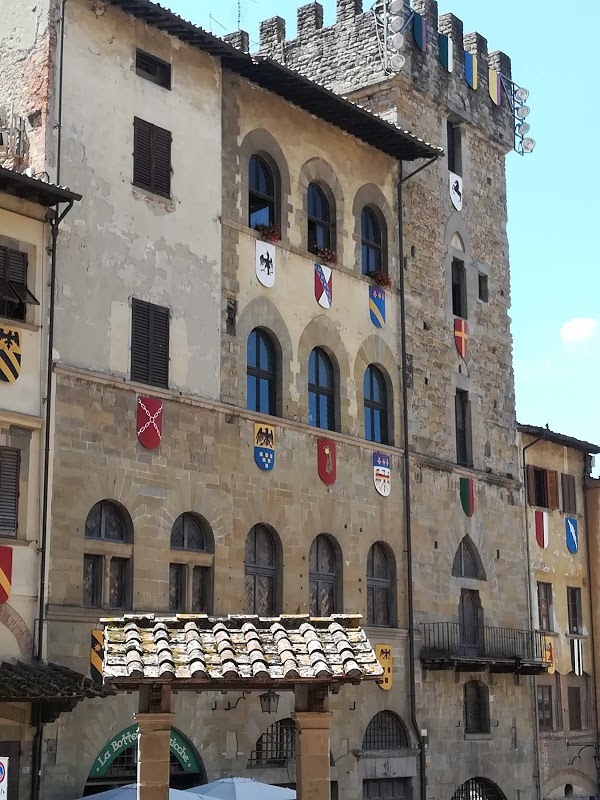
[481,737]
[151,194]
[18,323]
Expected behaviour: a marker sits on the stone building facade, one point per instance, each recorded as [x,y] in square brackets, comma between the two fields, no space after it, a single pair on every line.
[442,584]
[560,538]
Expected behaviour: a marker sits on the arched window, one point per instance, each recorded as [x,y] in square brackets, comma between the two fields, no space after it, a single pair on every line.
[380,575]
[478,789]
[107,576]
[190,567]
[477,707]
[276,746]
[467,562]
[261,372]
[262,195]
[323,577]
[321,396]
[105,521]
[376,405]
[372,240]
[261,572]
[320,219]
[385,731]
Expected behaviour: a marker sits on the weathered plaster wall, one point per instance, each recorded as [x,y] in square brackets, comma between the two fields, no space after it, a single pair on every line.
[121,241]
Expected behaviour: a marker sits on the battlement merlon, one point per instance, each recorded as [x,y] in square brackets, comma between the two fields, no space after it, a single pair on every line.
[346,57]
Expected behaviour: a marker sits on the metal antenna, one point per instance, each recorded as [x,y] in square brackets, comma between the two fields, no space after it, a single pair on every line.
[239,16]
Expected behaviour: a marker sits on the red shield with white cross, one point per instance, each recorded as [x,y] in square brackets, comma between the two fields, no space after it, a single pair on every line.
[149,421]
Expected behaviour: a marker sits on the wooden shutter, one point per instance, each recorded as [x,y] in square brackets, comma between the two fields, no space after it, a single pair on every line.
[162,161]
[568,493]
[140,341]
[149,343]
[9,490]
[530,485]
[460,433]
[159,346]
[142,153]
[552,487]
[16,268]
[468,434]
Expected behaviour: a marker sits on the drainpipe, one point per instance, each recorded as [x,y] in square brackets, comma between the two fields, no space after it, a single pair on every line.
[593,630]
[407,511]
[536,736]
[36,752]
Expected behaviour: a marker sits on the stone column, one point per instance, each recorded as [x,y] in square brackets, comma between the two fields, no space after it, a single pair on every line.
[313,779]
[154,754]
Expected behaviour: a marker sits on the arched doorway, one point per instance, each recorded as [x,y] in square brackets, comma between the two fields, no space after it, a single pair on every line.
[115,765]
[478,789]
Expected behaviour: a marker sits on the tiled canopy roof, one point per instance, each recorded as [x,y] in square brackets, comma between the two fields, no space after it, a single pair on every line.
[41,683]
[202,652]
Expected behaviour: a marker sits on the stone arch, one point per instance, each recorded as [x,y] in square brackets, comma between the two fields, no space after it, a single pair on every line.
[371,195]
[374,350]
[322,332]
[480,787]
[583,785]
[385,731]
[271,320]
[317,170]
[15,623]
[263,143]
[338,575]
[467,550]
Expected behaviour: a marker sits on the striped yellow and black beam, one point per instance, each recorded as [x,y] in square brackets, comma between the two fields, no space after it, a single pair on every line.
[97,655]
[10,354]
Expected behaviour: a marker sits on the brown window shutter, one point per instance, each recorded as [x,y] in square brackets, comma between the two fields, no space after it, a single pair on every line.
[552,485]
[530,485]
[140,341]
[142,153]
[9,490]
[159,346]
[162,161]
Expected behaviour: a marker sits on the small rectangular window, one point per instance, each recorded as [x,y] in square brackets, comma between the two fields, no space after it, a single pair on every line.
[464,443]
[459,289]
[119,583]
[483,287]
[149,343]
[151,157]
[177,587]
[575,715]
[542,487]
[10,461]
[574,610]
[153,69]
[92,581]
[454,148]
[545,606]
[545,711]
[14,294]
[568,493]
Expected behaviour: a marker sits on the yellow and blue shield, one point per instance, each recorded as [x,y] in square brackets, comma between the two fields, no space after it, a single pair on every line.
[377,306]
[10,354]
[384,656]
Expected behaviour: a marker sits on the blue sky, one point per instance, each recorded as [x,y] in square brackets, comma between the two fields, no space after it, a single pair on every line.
[553,194]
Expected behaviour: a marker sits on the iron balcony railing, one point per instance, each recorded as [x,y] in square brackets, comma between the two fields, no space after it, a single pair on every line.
[462,641]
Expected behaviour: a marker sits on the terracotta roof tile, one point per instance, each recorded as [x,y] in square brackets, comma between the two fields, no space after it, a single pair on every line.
[41,682]
[287,649]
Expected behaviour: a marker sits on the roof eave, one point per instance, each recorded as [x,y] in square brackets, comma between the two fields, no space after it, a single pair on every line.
[558,438]
[22,186]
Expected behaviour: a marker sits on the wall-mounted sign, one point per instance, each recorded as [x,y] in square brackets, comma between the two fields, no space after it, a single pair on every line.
[10,354]
[6,560]
[323,285]
[377,306]
[264,446]
[3,777]
[541,528]
[456,190]
[467,496]
[382,473]
[97,655]
[326,460]
[571,535]
[149,421]
[127,738]
[265,263]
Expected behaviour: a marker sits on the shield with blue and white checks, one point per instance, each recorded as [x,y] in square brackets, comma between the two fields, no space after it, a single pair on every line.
[264,446]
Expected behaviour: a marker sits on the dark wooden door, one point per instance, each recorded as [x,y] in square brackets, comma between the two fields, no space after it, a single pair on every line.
[471,623]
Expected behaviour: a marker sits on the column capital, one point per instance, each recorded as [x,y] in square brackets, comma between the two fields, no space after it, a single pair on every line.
[154,721]
[313,720]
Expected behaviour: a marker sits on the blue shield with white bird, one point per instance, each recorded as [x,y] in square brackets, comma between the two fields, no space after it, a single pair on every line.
[571,535]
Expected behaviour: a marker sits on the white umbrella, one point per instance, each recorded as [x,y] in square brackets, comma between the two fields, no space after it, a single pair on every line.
[242,789]
[129,792]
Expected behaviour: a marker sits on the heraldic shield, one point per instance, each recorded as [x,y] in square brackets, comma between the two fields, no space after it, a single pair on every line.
[326,460]
[377,306]
[149,421]
[265,263]
[6,557]
[10,354]
[264,446]
[382,473]
[323,285]
[571,535]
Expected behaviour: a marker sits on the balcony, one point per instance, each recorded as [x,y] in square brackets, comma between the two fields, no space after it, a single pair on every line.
[450,645]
